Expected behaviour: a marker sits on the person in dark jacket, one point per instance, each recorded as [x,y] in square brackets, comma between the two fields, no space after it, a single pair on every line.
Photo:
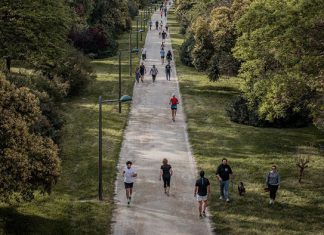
[223,173]
[165,174]
[273,183]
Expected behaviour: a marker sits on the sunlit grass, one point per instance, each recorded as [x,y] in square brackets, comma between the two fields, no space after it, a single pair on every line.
[251,151]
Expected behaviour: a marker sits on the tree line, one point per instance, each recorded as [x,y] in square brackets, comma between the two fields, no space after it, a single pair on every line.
[276,47]
[43,60]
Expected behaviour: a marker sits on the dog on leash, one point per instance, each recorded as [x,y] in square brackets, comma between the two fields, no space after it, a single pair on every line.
[241,189]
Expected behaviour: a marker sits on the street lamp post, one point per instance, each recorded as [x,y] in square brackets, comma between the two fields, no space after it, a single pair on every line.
[124,98]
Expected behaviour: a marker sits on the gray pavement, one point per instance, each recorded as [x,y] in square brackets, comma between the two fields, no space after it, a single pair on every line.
[149,137]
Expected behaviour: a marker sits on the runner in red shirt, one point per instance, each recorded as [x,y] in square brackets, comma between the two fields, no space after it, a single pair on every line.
[174,102]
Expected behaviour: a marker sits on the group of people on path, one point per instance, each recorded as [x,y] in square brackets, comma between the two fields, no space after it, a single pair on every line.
[202,188]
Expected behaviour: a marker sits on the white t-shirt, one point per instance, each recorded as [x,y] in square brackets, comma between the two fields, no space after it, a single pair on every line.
[144,51]
[128,175]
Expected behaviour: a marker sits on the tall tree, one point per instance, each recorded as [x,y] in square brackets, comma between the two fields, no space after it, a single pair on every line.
[34,31]
[28,161]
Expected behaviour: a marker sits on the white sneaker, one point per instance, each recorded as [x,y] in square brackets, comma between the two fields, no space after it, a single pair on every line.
[227,200]
[271,202]
[220,198]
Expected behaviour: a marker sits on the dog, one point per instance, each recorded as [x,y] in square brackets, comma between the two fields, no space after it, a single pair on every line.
[241,189]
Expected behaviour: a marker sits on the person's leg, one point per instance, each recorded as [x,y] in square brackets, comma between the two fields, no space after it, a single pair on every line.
[168,185]
[275,189]
[200,207]
[172,114]
[164,184]
[205,206]
[175,113]
[226,189]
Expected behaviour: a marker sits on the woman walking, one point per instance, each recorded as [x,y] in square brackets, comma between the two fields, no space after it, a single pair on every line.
[162,54]
[165,174]
[142,71]
[173,102]
[273,183]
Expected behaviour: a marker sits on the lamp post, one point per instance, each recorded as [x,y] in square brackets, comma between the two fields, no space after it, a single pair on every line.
[124,98]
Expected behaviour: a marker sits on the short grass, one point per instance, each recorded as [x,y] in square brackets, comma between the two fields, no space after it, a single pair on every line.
[73,208]
[251,151]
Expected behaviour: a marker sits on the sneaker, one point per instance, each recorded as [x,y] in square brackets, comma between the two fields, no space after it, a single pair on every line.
[204,213]
[227,200]
[200,216]
[221,198]
[271,202]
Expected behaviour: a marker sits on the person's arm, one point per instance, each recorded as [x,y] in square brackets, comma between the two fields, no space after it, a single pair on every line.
[217,174]
[195,191]
[161,173]
[208,190]
[171,172]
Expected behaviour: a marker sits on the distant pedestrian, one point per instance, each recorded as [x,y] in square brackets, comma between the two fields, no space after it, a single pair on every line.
[144,53]
[166,173]
[162,54]
[173,102]
[165,11]
[202,192]
[167,27]
[273,183]
[161,13]
[164,35]
[150,23]
[161,25]
[156,24]
[154,72]
[142,71]
[129,174]
[162,45]
[223,173]
[169,56]
[168,71]
[137,74]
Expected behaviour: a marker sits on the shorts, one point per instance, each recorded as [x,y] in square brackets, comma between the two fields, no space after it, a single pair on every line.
[128,185]
[162,57]
[174,107]
[202,198]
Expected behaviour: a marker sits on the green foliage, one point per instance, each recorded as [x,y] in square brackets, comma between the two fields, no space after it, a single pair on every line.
[281,54]
[37,37]
[28,160]
[186,49]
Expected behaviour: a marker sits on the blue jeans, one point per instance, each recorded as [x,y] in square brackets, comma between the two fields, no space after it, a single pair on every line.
[224,189]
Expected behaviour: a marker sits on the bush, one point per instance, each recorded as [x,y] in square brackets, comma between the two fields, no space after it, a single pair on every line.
[132,8]
[240,112]
[94,40]
[185,51]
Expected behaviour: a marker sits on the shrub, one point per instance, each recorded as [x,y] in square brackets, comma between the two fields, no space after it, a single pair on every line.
[213,70]
[185,51]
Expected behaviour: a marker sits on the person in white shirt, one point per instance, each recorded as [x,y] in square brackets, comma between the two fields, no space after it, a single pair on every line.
[144,53]
[129,174]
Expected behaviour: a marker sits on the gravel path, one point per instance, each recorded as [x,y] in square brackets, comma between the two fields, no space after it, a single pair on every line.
[149,137]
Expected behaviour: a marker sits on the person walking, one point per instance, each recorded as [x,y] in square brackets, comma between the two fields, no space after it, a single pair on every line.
[201,193]
[137,74]
[154,72]
[142,71]
[223,173]
[150,23]
[156,24]
[164,35]
[162,45]
[165,173]
[173,102]
[161,25]
[162,54]
[169,56]
[129,174]
[165,11]
[144,50]
[167,27]
[168,71]
[273,183]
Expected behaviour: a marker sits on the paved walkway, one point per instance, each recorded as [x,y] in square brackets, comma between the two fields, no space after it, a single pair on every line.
[149,137]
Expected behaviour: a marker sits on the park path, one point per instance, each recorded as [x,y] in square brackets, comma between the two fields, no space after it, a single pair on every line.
[149,137]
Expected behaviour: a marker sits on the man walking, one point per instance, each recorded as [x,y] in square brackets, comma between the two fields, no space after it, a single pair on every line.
[223,174]
[201,192]
[154,72]
[129,174]
[168,71]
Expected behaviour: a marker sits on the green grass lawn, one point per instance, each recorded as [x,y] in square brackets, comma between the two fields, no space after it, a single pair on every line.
[73,207]
[251,151]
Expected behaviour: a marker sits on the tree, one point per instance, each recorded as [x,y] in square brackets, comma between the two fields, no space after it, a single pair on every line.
[281,46]
[28,161]
[33,31]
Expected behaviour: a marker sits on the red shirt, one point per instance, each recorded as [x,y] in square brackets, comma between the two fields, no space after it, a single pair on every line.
[174,101]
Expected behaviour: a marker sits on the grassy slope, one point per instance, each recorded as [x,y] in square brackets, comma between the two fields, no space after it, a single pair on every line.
[73,207]
[251,151]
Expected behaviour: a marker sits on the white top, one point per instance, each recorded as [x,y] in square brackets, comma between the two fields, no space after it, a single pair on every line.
[143,50]
[128,175]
